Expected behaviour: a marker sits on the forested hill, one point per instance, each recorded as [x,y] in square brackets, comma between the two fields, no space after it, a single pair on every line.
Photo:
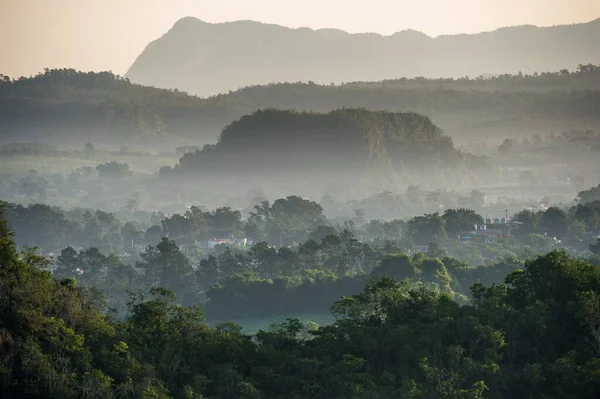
[206,59]
[481,108]
[67,105]
[345,147]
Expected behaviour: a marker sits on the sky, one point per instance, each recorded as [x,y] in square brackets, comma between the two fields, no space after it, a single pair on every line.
[110,34]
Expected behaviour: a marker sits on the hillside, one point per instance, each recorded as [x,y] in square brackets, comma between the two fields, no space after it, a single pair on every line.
[206,59]
[70,108]
[480,109]
[314,152]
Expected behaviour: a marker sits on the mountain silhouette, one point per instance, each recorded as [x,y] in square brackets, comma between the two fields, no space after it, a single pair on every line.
[206,59]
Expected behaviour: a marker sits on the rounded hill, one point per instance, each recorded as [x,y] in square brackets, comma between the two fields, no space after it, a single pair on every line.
[344,146]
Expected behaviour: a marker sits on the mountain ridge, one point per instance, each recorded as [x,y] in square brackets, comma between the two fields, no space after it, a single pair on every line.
[206,59]
[195,20]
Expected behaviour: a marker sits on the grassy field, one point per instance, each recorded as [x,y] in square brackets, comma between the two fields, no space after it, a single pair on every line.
[251,326]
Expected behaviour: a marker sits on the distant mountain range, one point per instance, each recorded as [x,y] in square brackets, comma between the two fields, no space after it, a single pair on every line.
[206,59]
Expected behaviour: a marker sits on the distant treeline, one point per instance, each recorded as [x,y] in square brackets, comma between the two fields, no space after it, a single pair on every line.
[50,150]
[284,222]
[67,102]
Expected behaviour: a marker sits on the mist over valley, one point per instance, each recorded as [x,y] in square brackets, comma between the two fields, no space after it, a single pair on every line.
[256,211]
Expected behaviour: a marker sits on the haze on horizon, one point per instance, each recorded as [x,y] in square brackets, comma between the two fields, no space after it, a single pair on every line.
[109,35]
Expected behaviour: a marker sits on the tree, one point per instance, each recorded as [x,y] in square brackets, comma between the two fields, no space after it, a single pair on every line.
[289,219]
[179,228]
[113,169]
[427,228]
[398,267]
[359,216]
[264,259]
[48,329]
[555,222]
[593,194]
[164,265]
[461,220]
[321,232]
[589,214]
[595,248]
[153,234]
[435,251]
[132,235]
[208,272]
[528,222]
[225,221]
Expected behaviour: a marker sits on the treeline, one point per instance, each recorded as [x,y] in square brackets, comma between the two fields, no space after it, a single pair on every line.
[71,103]
[224,272]
[288,221]
[60,84]
[585,77]
[247,295]
[534,336]
[285,221]
[66,85]
[265,281]
[68,103]
[436,102]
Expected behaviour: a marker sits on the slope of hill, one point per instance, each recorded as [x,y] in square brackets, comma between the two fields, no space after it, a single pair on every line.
[477,112]
[66,106]
[206,59]
[313,152]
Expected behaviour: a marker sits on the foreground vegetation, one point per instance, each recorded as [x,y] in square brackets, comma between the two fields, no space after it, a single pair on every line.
[535,336]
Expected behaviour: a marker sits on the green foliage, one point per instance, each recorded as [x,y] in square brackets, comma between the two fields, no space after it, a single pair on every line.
[593,194]
[535,336]
[113,169]
[555,221]
[97,101]
[164,265]
[287,220]
[272,142]
[461,220]
[427,228]
[595,248]
[112,104]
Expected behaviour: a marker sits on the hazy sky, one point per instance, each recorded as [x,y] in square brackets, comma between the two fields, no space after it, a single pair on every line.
[109,34]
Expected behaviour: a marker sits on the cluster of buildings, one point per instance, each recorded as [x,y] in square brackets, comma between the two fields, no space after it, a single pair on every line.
[490,231]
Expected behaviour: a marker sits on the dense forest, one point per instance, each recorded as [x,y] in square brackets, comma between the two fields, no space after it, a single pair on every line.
[71,108]
[536,335]
[291,251]
[286,221]
[254,211]
[64,105]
